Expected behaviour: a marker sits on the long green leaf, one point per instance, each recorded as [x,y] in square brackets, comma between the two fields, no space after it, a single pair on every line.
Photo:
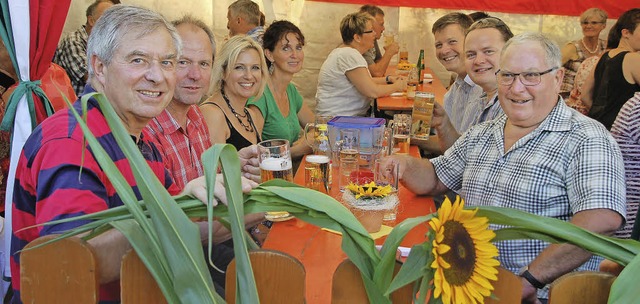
[138,239]
[246,291]
[178,235]
[622,251]
[625,287]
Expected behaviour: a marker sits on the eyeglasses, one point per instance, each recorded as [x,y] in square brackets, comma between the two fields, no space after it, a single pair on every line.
[591,22]
[367,32]
[527,78]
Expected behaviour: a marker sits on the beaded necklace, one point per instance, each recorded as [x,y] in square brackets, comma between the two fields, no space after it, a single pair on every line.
[249,126]
[587,48]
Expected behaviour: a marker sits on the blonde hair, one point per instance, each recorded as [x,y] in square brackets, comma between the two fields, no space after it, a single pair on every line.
[594,12]
[229,56]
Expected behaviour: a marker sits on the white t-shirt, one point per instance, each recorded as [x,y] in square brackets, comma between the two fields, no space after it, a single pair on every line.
[336,95]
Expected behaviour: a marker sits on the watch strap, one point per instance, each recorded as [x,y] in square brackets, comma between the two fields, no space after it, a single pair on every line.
[531,279]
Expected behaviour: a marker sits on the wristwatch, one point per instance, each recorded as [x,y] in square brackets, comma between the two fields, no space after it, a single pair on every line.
[524,272]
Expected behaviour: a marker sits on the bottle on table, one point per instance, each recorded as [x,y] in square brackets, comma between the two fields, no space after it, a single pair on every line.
[412,82]
[420,65]
[403,55]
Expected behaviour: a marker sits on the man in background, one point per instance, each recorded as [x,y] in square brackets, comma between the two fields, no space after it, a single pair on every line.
[378,62]
[244,18]
[71,54]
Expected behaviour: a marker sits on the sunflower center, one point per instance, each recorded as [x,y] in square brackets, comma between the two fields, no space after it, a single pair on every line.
[462,255]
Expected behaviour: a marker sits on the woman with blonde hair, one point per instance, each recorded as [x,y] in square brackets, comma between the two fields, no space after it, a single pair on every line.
[239,73]
[592,21]
[345,86]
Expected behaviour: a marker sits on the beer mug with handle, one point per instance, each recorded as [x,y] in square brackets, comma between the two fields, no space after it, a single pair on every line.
[320,121]
[275,162]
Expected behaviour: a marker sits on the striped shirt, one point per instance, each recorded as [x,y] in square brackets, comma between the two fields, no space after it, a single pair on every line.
[626,131]
[568,164]
[456,100]
[54,182]
[181,149]
[480,110]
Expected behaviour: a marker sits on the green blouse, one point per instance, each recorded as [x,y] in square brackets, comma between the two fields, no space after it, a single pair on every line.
[276,126]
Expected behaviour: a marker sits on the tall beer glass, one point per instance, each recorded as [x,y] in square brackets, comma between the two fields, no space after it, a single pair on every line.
[317,173]
[275,162]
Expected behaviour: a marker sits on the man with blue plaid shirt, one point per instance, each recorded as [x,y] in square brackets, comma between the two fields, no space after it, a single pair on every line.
[541,157]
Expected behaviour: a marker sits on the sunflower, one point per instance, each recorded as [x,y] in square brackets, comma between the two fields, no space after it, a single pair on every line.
[369,190]
[464,257]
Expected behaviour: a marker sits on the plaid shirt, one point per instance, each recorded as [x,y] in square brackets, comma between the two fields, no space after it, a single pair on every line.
[71,55]
[456,100]
[480,110]
[568,164]
[181,150]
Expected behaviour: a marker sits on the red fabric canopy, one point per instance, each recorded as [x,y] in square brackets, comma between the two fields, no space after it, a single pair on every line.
[47,20]
[614,8]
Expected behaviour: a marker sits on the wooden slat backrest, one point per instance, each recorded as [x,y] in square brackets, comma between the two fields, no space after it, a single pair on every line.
[585,287]
[508,288]
[137,284]
[279,278]
[347,286]
[61,272]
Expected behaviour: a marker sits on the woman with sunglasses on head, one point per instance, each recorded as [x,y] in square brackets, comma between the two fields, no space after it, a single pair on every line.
[345,86]
[592,21]
[281,105]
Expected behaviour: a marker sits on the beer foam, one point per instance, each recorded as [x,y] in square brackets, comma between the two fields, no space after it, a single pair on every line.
[317,159]
[275,164]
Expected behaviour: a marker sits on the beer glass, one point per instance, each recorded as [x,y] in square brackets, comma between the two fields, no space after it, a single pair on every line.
[421,115]
[275,162]
[348,166]
[320,120]
[348,146]
[317,173]
[401,131]
[387,174]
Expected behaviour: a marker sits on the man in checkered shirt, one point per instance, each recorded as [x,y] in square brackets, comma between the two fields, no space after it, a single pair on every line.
[542,157]
[71,54]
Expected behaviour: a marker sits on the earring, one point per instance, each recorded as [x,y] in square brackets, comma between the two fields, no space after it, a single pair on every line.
[272,67]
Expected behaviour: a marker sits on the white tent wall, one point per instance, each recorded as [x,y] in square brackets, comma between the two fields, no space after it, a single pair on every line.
[319,21]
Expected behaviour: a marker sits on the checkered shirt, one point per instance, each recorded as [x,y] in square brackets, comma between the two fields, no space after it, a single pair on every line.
[71,55]
[181,149]
[457,99]
[568,164]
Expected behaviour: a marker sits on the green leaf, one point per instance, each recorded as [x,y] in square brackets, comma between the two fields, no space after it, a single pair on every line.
[412,268]
[231,173]
[625,287]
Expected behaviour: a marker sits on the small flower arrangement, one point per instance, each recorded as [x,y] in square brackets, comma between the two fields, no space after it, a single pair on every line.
[369,202]
[369,191]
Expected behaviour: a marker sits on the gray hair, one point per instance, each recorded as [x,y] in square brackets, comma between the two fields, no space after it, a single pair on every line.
[553,56]
[189,19]
[106,36]
[594,12]
[247,9]
[229,56]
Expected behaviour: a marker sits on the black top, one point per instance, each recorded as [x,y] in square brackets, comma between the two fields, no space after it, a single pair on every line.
[610,90]
[235,138]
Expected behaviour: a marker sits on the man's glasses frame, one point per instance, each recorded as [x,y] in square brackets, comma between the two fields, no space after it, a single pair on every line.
[527,78]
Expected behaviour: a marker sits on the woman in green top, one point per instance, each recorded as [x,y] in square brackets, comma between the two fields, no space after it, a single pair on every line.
[281,105]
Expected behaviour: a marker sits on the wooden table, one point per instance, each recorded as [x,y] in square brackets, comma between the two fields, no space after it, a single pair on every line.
[320,251]
[402,103]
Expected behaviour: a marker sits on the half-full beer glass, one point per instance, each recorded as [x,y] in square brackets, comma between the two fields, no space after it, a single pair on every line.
[275,162]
